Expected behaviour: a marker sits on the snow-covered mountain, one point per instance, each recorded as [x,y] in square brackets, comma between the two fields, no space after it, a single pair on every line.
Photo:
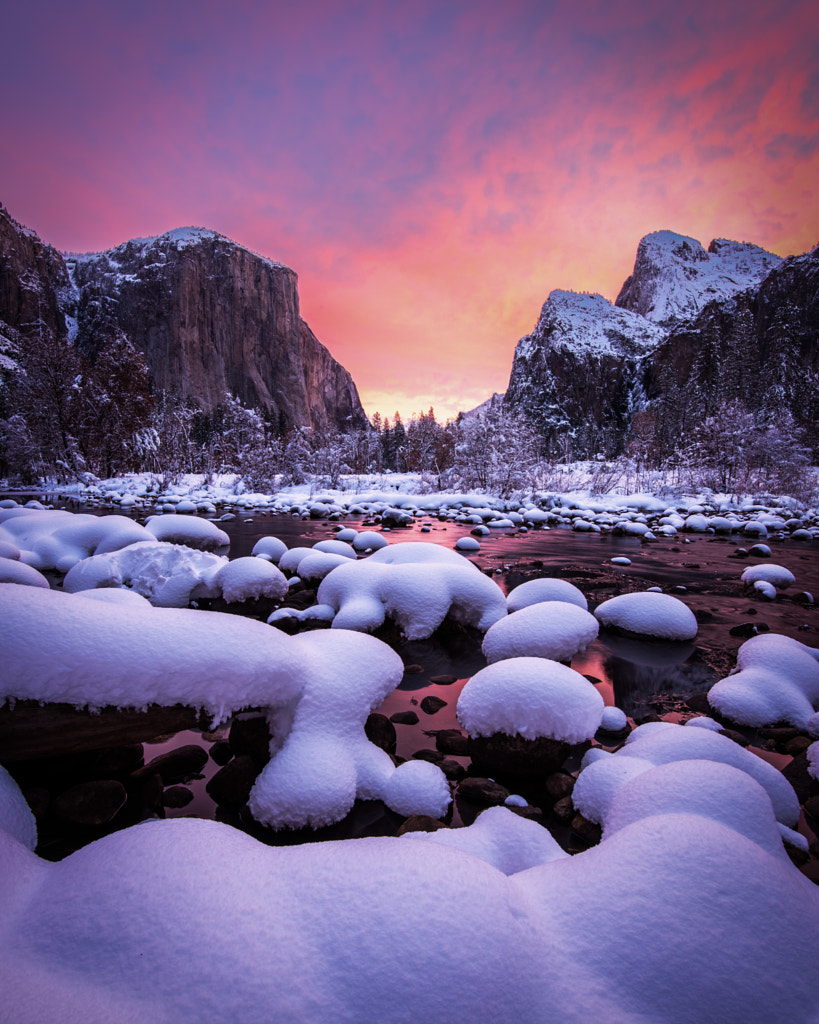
[209,316]
[691,328]
[674,277]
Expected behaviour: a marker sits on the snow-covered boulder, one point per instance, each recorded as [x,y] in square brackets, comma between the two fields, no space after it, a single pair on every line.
[776,680]
[600,781]
[549,629]
[532,698]
[369,540]
[417,787]
[545,589]
[775,575]
[245,579]
[270,548]
[417,551]
[202,534]
[417,596]
[659,616]
[54,539]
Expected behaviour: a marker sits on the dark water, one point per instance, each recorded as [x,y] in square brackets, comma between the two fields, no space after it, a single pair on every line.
[646,679]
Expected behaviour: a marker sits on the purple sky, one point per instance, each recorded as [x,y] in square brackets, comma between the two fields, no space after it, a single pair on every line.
[431,170]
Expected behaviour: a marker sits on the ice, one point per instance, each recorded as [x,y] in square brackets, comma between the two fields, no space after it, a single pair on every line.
[202,534]
[549,629]
[776,680]
[530,697]
[660,616]
[416,595]
[546,589]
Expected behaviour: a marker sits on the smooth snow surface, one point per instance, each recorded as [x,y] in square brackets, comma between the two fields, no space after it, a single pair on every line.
[660,616]
[777,575]
[549,629]
[183,921]
[599,781]
[202,534]
[417,787]
[416,595]
[12,571]
[15,814]
[502,838]
[546,589]
[269,547]
[53,539]
[776,680]
[530,697]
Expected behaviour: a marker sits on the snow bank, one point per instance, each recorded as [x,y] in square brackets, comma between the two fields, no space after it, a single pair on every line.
[530,697]
[659,616]
[776,680]
[600,781]
[546,589]
[186,920]
[416,595]
[549,629]
[53,539]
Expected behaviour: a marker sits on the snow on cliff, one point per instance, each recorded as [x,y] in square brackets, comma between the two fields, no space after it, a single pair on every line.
[675,277]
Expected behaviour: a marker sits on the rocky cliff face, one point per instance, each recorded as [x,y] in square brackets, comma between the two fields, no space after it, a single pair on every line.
[691,329]
[209,316]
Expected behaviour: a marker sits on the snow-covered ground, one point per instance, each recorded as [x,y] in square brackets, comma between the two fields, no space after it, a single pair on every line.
[689,908]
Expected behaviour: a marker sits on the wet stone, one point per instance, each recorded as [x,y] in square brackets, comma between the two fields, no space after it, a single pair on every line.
[420,823]
[231,785]
[516,757]
[405,718]
[381,731]
[250,734]
[482,791]
[798,745]
[431,705]
[453,769]
[413,670]
[560,785]
[177,796]
[452,741]
[221,752]
[91,803]
[433,756]
[563,810]
[443,680]
[175,765]
[587,831]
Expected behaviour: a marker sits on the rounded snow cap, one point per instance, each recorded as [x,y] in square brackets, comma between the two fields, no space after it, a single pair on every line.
[659,616]
[546,589]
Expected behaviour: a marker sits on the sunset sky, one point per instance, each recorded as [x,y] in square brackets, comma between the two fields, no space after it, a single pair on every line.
[431,170]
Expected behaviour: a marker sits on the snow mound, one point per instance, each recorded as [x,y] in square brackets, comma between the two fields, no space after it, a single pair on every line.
[416,595]
[546,589]
[335,547]
[417,787]
[776,575]
[244,579]
[776,680]
[12,571]
[202,534]
[502,838]
[530,697]
[54,539]
[417,551]
[270,548]
[227,928]
[659,616]
[549,629]
[169,575]
[707,789]
[599,781]
[369,540]
[318,564]
[15,815]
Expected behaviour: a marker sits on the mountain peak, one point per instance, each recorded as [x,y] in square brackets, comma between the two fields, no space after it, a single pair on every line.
[675,277]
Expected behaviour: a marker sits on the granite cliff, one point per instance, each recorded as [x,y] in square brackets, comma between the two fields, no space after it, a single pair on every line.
[208,315]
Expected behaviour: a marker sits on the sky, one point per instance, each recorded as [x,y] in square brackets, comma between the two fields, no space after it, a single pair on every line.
[430,170]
